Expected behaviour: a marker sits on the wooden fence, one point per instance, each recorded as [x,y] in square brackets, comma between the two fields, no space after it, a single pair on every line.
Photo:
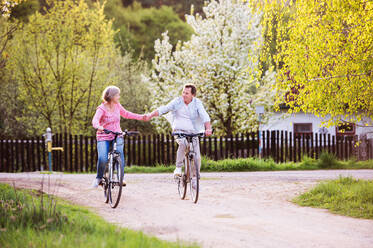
[80,154]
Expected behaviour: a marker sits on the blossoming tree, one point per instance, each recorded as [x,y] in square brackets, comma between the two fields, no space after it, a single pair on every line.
[221,59]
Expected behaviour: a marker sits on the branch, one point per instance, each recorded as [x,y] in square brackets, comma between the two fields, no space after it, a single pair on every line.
[358,125]
[341,76]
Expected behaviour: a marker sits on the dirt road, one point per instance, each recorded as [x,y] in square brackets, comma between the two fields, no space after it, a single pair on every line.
[234,210]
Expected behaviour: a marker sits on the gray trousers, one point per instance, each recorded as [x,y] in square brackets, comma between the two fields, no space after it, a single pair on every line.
[180,155]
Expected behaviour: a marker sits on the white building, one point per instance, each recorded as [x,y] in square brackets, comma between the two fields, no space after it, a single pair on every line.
[304,123]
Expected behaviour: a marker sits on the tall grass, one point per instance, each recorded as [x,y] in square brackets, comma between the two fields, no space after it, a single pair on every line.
[346,196]
[325,161]
[33,219]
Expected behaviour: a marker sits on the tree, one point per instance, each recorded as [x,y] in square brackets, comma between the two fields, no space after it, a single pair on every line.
[325,58]
[216,60]
[139,27]
[61,61]
[181,7]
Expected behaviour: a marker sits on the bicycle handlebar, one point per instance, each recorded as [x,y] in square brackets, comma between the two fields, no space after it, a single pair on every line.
[189,135]
[126,133]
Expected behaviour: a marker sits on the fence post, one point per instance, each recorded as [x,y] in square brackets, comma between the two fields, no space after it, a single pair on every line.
[210,147]
[173,159]
[81,162]
[43,153]
[316,147]
[216,148]
[277,146]
[273,145]
[254,143]
[154,149]
[350,147]
[262,148]
[291,146]
[204,153]
[282,147]
[86,153]
[137,139]
[159,160]
[129,150]
[248,144]
[38,153]
[268,144]
[329,148]
[16,167]
[168,157]
[298,137]
[1,155]
[148,140]
[71,167]
[221,152]
[65,155]
[56,155]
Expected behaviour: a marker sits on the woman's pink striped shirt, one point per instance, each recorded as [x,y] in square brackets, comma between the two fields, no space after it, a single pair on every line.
[111,120]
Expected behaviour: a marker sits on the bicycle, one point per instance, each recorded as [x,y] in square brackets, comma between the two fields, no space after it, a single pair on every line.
[112,181]
[191,170]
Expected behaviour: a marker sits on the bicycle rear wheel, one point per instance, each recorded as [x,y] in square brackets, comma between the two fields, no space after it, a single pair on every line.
[194,180]
[182,182]
[115,183]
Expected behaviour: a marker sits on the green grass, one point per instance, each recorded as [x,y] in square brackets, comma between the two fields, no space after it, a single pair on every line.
[31,219]
[345,196]
[325,161]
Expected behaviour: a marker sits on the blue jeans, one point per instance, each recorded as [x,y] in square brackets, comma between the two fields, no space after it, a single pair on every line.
[103,148]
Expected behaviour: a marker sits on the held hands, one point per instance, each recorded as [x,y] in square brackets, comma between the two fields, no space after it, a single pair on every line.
[208,132]
[146,117]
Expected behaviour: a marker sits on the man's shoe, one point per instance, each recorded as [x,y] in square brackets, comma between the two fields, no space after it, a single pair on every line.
[124,183]
[96,182]
[177,171]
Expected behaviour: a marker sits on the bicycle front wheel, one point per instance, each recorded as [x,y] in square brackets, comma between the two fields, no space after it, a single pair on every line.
[182,182]
[105,185]
[194,180]
[115,182]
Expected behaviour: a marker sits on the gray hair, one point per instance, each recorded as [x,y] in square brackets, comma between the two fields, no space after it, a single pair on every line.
[109,93]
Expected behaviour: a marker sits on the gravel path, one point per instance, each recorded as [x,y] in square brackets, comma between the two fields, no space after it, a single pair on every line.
[250,209]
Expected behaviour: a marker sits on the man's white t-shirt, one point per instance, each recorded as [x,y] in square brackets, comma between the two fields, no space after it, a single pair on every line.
[182,120]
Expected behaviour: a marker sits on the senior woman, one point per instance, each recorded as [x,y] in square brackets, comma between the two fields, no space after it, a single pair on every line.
[107,116]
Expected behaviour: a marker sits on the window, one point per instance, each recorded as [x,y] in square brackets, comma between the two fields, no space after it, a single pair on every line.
[345,129]
[302,128]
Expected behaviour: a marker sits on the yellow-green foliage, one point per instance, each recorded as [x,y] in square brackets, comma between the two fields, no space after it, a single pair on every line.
[324,55]
[61,61]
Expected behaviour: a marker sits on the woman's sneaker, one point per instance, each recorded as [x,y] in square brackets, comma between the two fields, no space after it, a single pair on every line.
[177,171]
[96,182]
